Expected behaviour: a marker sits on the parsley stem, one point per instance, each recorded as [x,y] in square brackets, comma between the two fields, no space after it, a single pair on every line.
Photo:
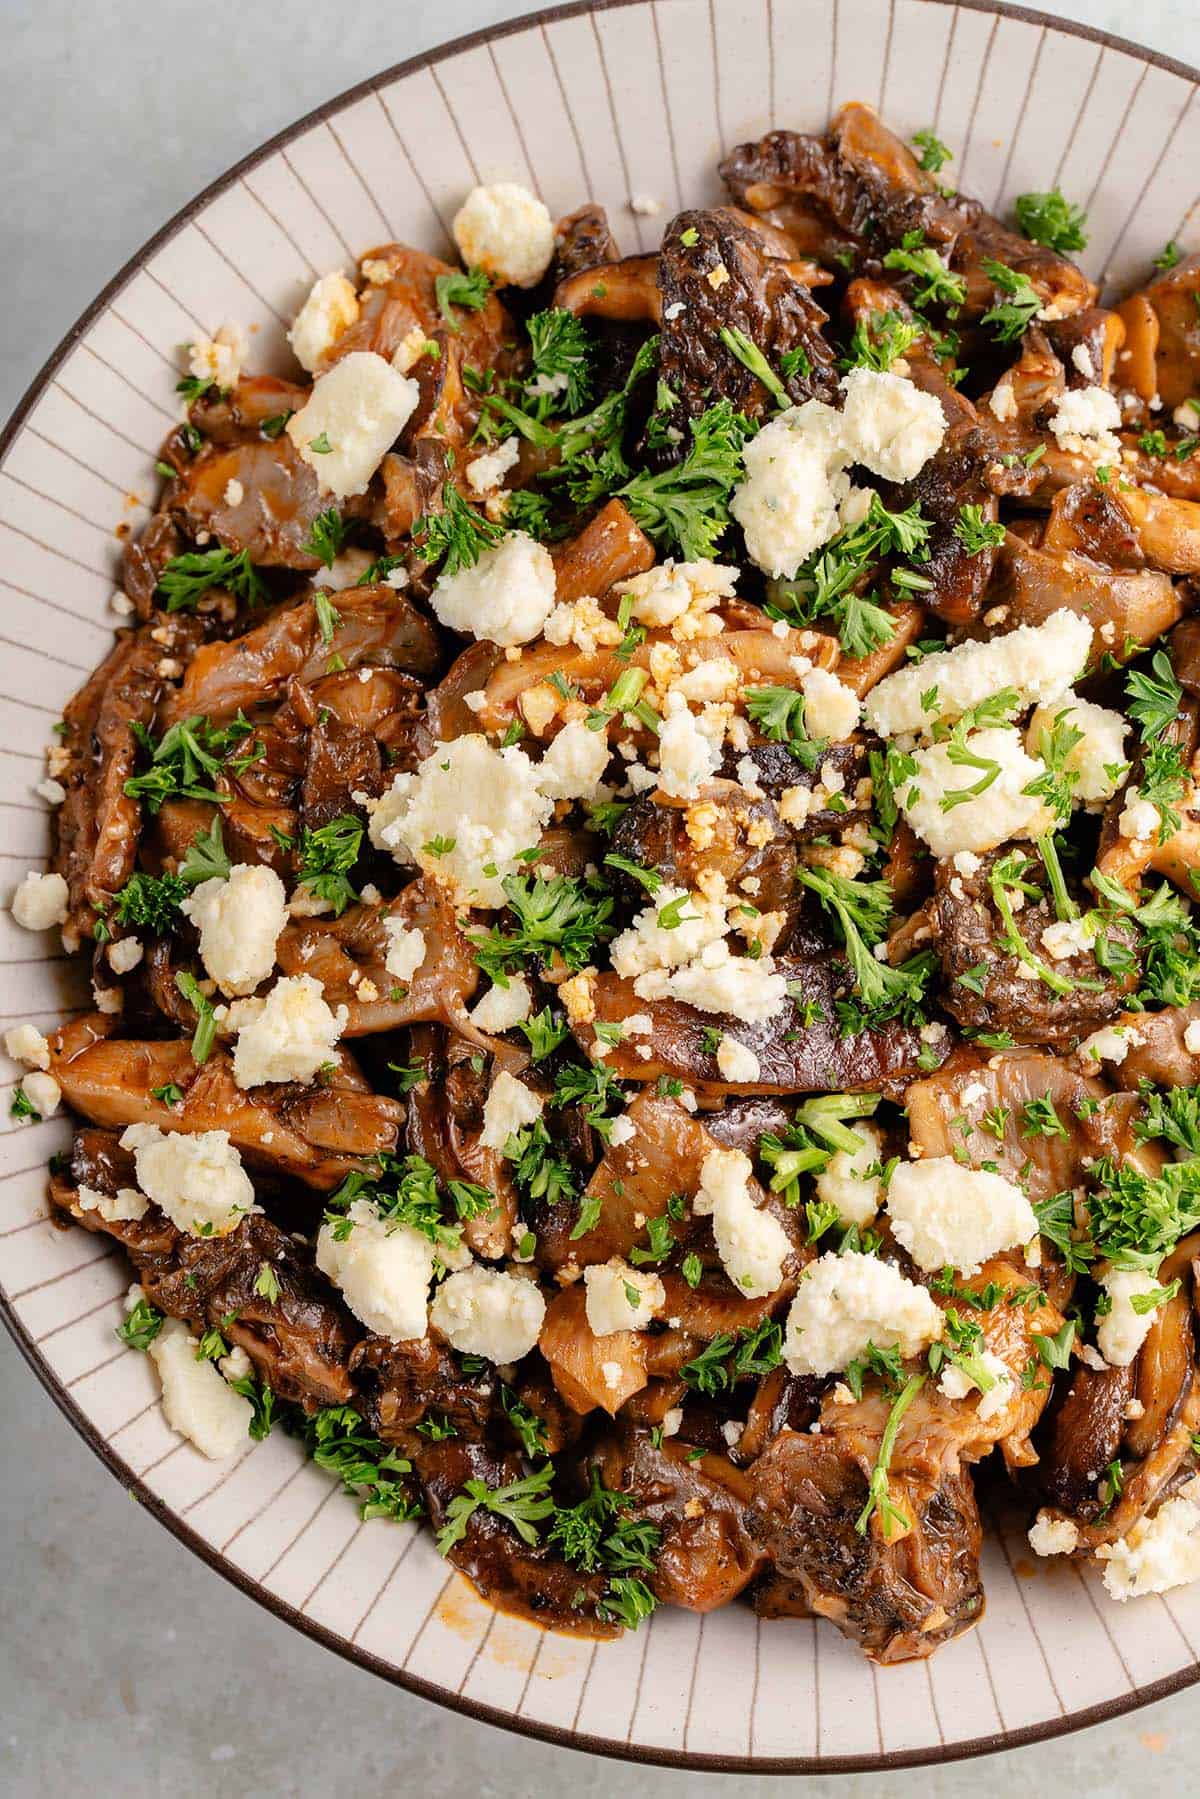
[1064,906]
[878,1494]
[1017,946]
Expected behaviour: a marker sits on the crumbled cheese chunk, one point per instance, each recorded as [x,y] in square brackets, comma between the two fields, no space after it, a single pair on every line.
[845,1302]
[485,802]
[197,1180]
[795,482]
[1039,661]
[405,948]
[126,1205]
[124,955]
[25,1043]
[846,1181]
[483,1311]
[196,1401]
[956,1383]
[1191,1037]
[382,1270]
[1097,759]
[890,425]
[219,358]
[736,1061]
[666,594]
[1159,1553]
[830,708]
[621,1298]
[573,766]
[330,309]
[1140,818]
[488,471]
[686,756]
[505,598]
[503,1007]
[1086,421]
[1122,1331]
[1002,811]
[358,408]
[745,987]
[1002,400]
[583,623]
[647,946]
[43,1093]
[1067,937]
[1053,1536]
[942,1213]
[239,920]
[646,205]
[505,230]
[53,792]
[1110,1044]
[509,1107]
[752,1244]
[293,1034]
[40,901]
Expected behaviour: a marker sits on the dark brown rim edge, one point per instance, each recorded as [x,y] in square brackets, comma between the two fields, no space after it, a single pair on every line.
[969,1747]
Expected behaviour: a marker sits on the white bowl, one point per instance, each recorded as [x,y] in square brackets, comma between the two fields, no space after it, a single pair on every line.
[632,98]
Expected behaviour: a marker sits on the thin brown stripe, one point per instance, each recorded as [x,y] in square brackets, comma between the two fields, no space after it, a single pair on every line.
[637,1691]
[773,111]
[1115,139]
[184,308]
[1016,130]
[38,493]
[433,1605]
[335,1563]
[154,1404]
[887,52]
[297,1534]
[118,1355]
[22,805]
[946,55]
[583,1689]
[716,69]
[833,55]
[414,1534]
[53,1280]
[1145,187]
[249,286]
[313,200]
[933,1704]
[265,1506]
[63,556]
[25,755]
[1184,1638]
[96,417]
[77,460]
[112,1300]
[816,1668]
[514,116]
[479,1648]
[279,226]
[164,1457]
[1103,1623]
[667,113]
[983,69]
[987,1668]
[612,113]
[32,706]
[33,649]
[754,1686]
[435,209]
[227,1474]
[82,618]
[357,173]
[458,130]
[143,339]
[1017,1584]
[38,1223]
[568,110]
[532,1669]
[1079,112]
[125,381]
[687,1716]
[878,1710]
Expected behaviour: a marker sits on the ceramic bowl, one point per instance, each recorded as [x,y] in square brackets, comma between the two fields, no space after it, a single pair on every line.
[608,102]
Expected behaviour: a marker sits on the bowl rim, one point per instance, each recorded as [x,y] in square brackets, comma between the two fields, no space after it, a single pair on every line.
[613,1748]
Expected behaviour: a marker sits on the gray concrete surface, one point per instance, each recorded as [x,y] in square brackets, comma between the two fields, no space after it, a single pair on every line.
[125,1665]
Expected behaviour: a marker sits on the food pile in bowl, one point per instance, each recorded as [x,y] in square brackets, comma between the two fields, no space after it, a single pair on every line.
[637,846]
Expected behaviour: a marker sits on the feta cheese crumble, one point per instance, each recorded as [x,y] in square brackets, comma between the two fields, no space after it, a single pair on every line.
[845,1302]
[40,901]
[330,309]
[503,1007]
[736,1061]
[1001,811]
[1159,1553]
[292,1034]
[1039,661]
[239,920]
[196,1401]
[505,598]
[795,483]
[352,417]
[509,1107]
[620,1298]
[943,1213]
[405,948]
[847,1180]
[687,758]
[752,1244]
[573,766]
[197,1179]
[890,425]
[483,1311]
[1053,1536]
[382,1270]
[1122,1331]
[1098,758]
[507,231]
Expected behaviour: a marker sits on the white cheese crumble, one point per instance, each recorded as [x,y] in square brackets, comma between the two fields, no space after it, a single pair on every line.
[1191,1038]
[43,1093]
[1067,937]
[956,1383]
[291,1036]
[663,595]
[943,1213]
[1122,1331]
[1039,661]
[620,1298]
[197,1180]
[1097,759]
[126,1205]
[344,571]
[830,708]
[505,598]
[503,1007]
[1053,1536]
[124,955]
[483,1311]
[239,920]
[795,483]
[40,901]
[1140,818]
[219,358]
[381,1269]
[486,803]
[1110,1044]
[487,472]
[196,1401]
[847,1180]
[752,1244]
[507,231]
[845,1302]
[1086,421]
[358,408]
[1002,811]
[736,1061]
[573,766]
[686,756]
[25,1043]
[889,424]
[405,948]
[647,946]
[330,309]
[509,1107]
[744,987]
[1159,1553]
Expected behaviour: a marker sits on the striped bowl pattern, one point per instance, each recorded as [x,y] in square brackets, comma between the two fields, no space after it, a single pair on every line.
[636,97]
